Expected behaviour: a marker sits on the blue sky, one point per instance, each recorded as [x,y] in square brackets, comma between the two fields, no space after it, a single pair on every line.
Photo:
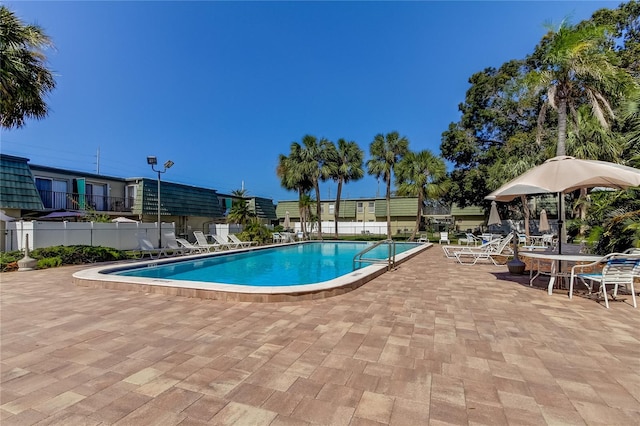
[223,88]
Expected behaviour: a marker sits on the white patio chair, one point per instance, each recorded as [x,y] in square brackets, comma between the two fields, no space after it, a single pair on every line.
[190,248]
[201,241]
[469,239]
[522,239]
[444,238]
[225,243]
[620,270]
[450,251]
[145,247]
[485,252]
[237,240]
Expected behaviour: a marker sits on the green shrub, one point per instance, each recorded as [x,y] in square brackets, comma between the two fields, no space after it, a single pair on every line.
[49,262]
[50,257]
[9,257]
[78,255]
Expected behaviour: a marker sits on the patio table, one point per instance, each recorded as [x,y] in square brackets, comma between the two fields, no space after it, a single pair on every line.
[556,264]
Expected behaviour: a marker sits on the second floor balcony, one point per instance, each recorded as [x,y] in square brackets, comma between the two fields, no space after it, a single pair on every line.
[74,201]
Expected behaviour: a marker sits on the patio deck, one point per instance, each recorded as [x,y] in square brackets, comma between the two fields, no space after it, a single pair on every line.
[433,342]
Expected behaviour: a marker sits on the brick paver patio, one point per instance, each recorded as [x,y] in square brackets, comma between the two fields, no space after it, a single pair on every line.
[430,343]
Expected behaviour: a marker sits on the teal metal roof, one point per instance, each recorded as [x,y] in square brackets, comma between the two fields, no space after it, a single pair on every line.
[17,186]
[264,208]
[177,200]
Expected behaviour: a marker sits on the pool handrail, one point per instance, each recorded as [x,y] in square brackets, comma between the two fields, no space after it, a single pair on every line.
[390,260]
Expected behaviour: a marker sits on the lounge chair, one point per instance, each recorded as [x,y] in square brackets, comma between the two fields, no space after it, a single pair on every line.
[145,248]
[444,238]
[485,252]
[225,243]
[237,240]
[469,239]
[171,244]
[620,270]
[190,248]
[201,241]
[450,251]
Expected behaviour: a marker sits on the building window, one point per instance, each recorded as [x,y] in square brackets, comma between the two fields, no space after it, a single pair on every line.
[321,208]
[360,207]
[372,207]
[53,193]
[331,209]
[130,192]
[96,196]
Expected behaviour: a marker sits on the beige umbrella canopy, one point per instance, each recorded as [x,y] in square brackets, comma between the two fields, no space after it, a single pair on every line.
[544,222]
[566,174]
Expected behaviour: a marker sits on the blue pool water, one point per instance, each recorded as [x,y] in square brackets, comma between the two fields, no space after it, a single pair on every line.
[279,266]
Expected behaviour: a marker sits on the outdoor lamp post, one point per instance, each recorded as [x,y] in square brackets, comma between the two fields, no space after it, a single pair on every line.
[152,161]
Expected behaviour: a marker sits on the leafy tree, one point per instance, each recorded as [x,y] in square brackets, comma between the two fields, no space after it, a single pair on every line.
[614,220]
[386,151]
[25,79]
[421,175]
[573,67]
[345,165]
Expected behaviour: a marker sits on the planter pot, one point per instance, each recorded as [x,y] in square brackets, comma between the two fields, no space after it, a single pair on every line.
[516,266]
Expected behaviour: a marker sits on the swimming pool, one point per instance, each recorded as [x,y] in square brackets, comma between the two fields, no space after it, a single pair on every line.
[279,266]
[271,273]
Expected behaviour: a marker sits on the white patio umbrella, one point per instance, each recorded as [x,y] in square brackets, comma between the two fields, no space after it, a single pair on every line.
[122,219]
[544,222]
[565,174]
[287,221]
[494,217]
[5,218]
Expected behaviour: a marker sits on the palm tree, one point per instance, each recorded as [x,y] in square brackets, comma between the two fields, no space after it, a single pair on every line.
[313,164]
[386,151]
[24,78]
[345,165]
[292,178]
[421,175]
[240,211]
[573,66]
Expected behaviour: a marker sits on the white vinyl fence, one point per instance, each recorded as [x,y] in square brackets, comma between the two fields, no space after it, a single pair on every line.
[121,236]
[349,228]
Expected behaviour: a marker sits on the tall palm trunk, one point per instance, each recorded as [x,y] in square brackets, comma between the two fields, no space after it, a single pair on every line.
[561,149]
[337,207]
[389,206]
[303,222]
[318,210]
[418,217]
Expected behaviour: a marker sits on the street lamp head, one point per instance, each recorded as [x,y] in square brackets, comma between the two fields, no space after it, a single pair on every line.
[152,160]
[168,164]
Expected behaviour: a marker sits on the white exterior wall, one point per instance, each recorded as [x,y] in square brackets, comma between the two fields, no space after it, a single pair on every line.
[121,236]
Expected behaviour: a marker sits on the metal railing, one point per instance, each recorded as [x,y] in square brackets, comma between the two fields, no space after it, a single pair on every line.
[75,201]
[390,260]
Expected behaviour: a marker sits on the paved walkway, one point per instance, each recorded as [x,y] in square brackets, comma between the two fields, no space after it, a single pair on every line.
[430,343]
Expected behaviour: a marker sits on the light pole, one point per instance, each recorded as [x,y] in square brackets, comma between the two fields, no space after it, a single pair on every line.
[152,161]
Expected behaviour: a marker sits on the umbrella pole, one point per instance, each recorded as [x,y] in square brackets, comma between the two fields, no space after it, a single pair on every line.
[560,221]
